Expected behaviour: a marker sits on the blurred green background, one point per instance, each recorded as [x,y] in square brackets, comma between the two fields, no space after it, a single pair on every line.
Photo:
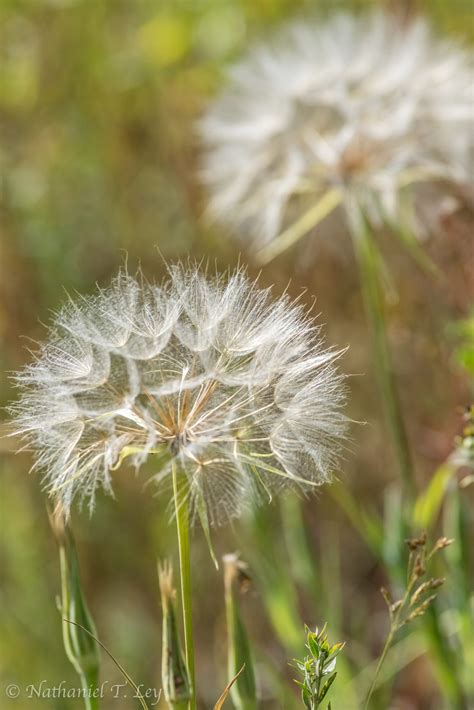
[99,160]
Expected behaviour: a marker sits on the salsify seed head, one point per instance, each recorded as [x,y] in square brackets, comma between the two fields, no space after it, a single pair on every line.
[207,373]
[364,105]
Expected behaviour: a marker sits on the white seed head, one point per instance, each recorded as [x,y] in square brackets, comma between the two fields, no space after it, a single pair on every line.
[364,105]
[205,373]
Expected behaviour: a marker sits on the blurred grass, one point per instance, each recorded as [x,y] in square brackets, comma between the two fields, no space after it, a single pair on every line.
[98,160]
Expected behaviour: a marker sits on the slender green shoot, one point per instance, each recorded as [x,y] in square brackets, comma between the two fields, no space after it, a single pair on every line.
[81,650]
[369,269]
[317,213]
[182,524]
[122,670]
[174,674]
[236,581]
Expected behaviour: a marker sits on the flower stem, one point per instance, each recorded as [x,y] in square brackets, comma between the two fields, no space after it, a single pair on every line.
[182,524]
[78,627]
[394,626]
[370,282]
[309,220]
[89,685]
[383,655]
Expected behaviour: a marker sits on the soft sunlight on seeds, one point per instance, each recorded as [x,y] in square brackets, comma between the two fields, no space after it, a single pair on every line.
[359,107]
[206,372]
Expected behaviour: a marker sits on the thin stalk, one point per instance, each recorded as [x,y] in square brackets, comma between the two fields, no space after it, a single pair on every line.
[417,599]
[367,259]
[182,524]
[129,680]
[239,653]
[90,686]
[302,561]
[447,660]
[82,651]
[90,679]
[383,655]
[394,627]
[278,591]
[310,219]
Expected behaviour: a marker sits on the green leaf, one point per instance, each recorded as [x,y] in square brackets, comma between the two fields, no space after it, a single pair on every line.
[204,520]
[429,502]
[227,690]
[326,687]
[368,260]
[122,670]
[367,524]
[307,698]
[78,626]
[313,645]
[403,229]
[395,533]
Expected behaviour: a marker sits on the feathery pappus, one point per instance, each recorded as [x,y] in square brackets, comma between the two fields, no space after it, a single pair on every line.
[354,108]
[208,373]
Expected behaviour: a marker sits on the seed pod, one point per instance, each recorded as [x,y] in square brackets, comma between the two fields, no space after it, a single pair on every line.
[81,648]
[174,673]
[237,580]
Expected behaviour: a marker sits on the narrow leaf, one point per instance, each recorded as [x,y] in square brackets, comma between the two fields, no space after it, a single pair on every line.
[225,694]
[310,219]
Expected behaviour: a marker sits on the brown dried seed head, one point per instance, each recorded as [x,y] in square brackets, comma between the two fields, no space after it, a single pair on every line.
[419,569]
[442,543]
[165,577]
[57,519]
[421,609]
[415,542]
[236,571]
[430,585]
[419,592]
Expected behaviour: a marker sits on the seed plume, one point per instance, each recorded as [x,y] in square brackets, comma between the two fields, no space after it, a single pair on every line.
[358,108]
[205,372]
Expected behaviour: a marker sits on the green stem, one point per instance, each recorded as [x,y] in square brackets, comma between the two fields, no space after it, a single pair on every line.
[308,220]
[367,259]
[89,685]
[395,624]
[112,658]
[182,524]
[82,651]
[383,655]
[302,561]
[279,592]
[239,655]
